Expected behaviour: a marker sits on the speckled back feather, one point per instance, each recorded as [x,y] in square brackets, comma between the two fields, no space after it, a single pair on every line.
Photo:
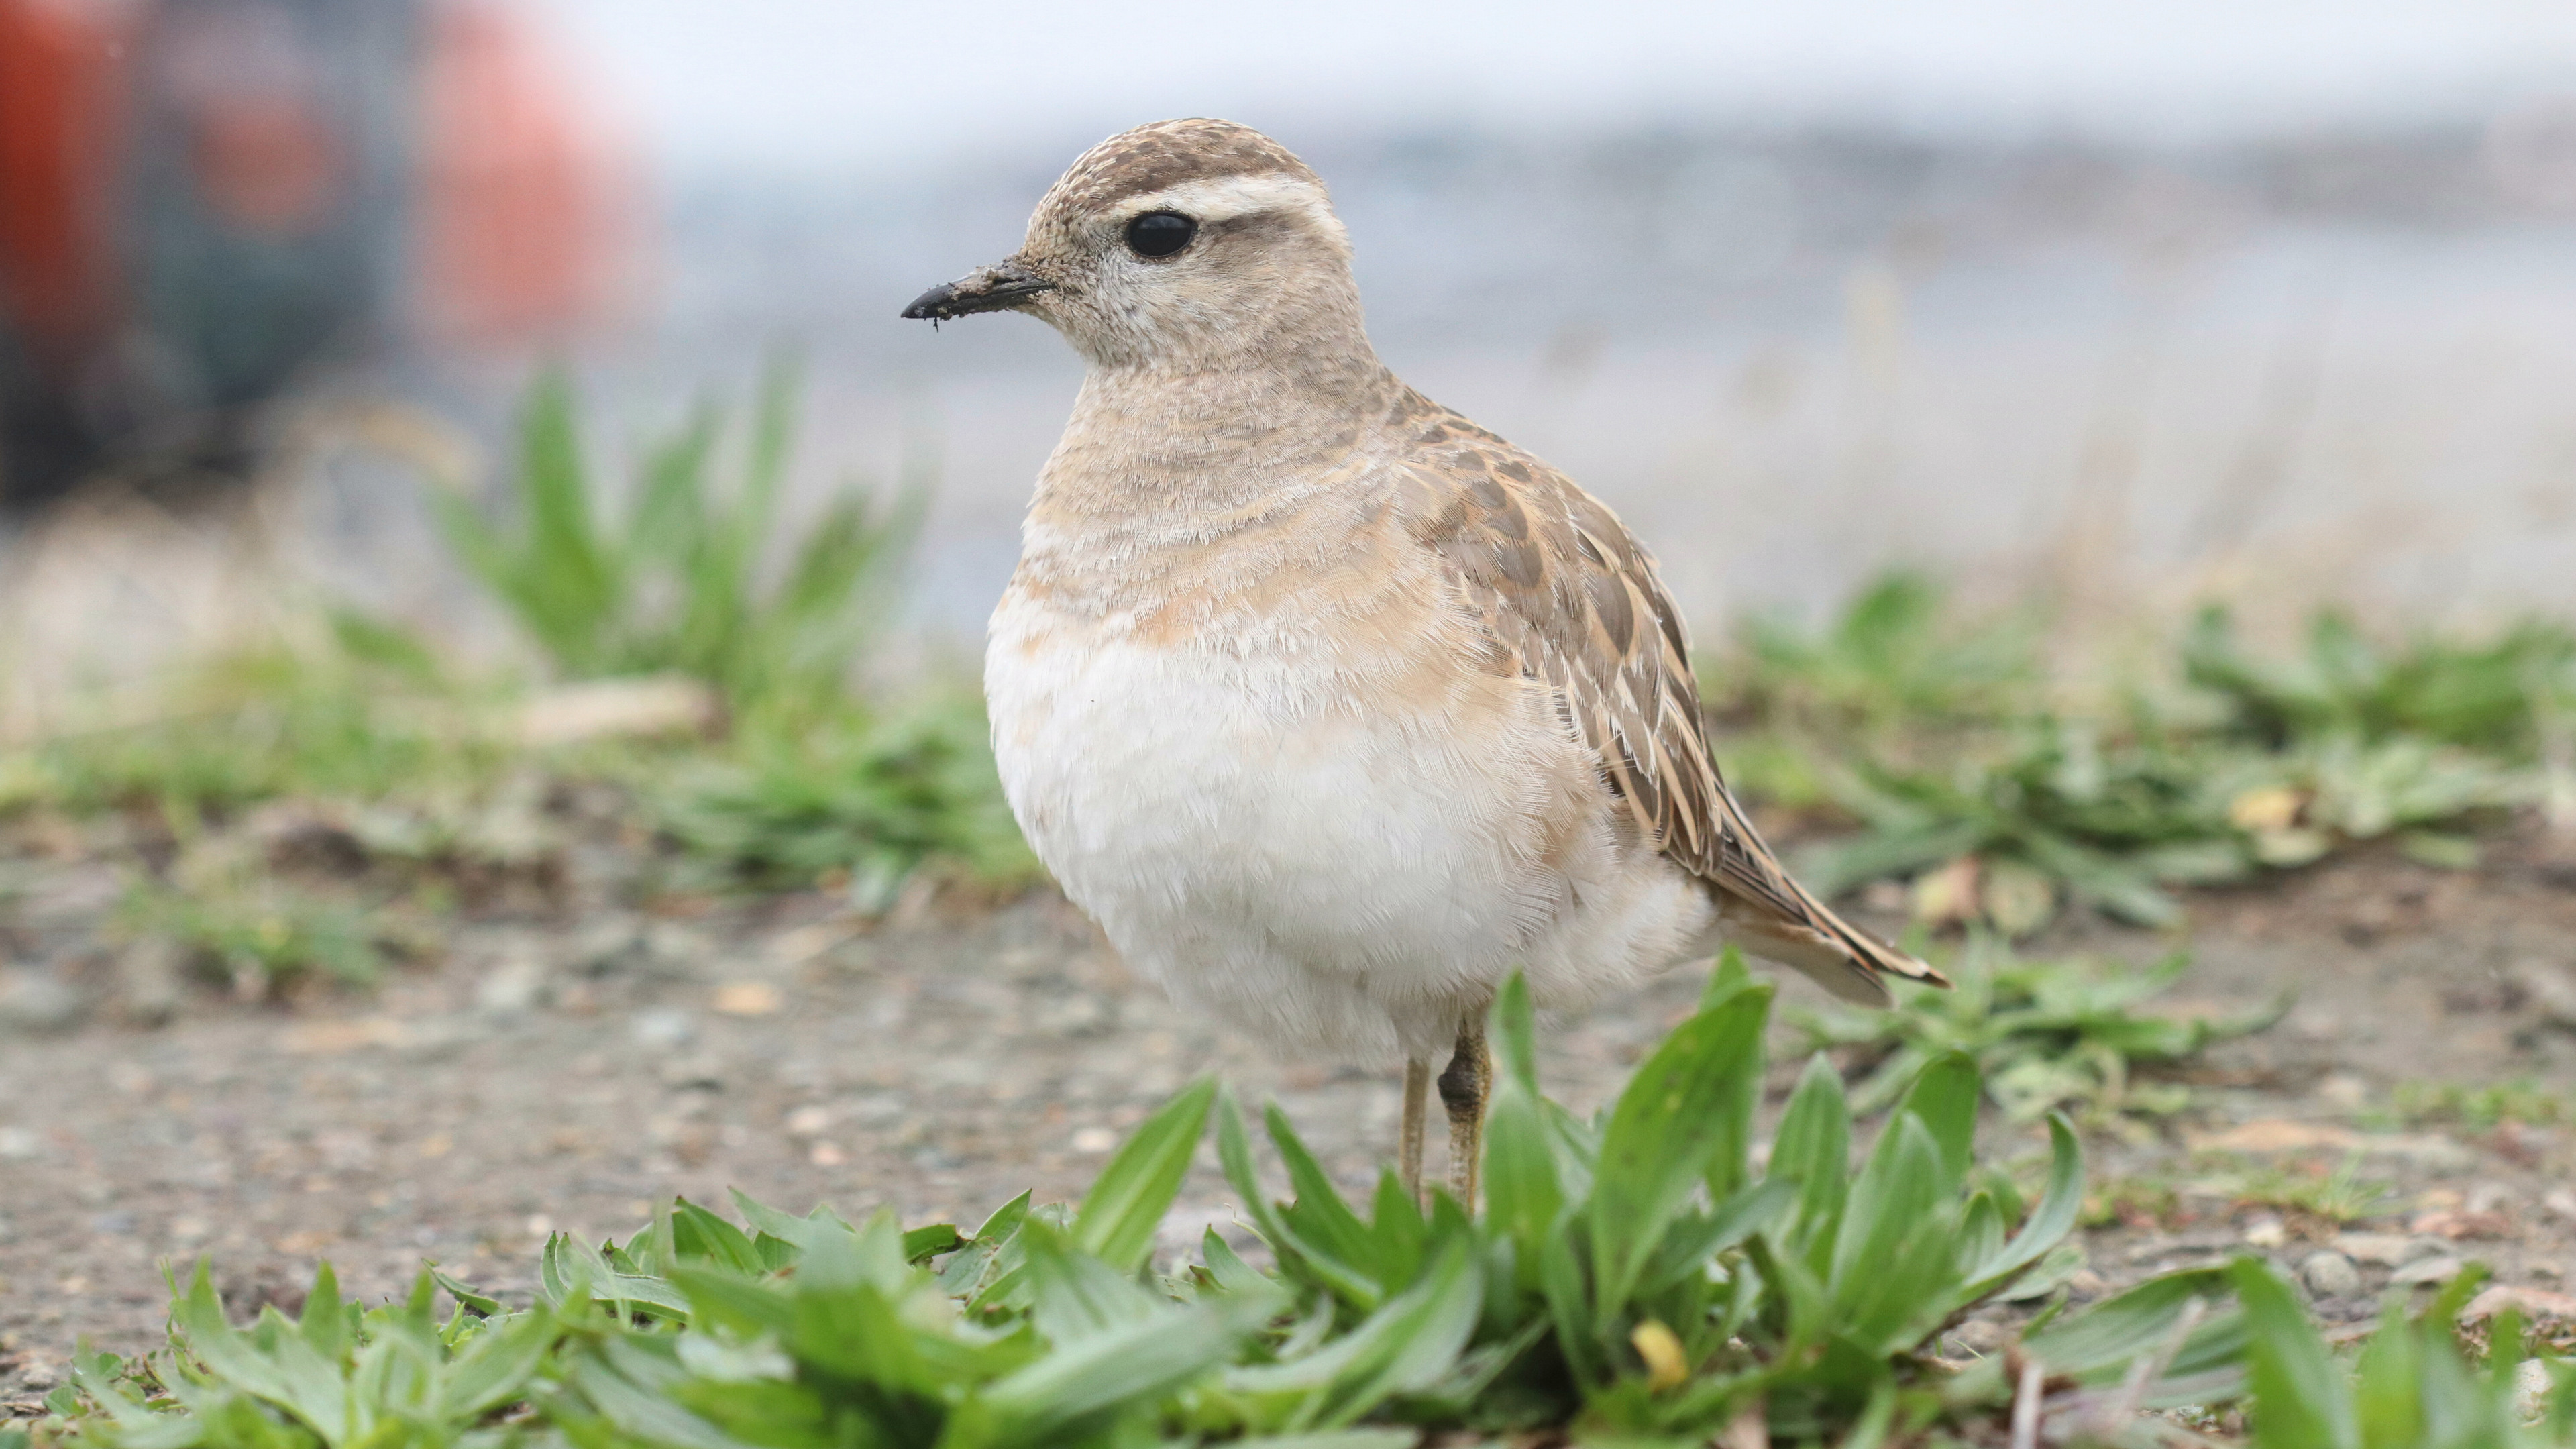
[1570,598]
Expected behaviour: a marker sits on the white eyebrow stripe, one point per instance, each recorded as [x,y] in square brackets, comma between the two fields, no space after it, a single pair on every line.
[1226,197]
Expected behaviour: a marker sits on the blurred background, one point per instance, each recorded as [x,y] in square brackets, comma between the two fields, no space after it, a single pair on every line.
[2276,300]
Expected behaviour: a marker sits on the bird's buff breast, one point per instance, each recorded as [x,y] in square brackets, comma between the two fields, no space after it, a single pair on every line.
[1240,813]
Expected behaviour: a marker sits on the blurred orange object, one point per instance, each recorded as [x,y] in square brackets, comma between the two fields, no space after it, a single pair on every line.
[249,101]
[202,199]
[524,227]
[61,89]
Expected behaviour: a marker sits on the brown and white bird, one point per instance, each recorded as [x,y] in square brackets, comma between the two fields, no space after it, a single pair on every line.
[1331,707]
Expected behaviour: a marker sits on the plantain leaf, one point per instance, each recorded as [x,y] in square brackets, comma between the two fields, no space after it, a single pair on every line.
[1128,1201]
[1691,1101]
[2300,1401]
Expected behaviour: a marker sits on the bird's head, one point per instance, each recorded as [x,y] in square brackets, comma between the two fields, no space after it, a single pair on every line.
[1181,245]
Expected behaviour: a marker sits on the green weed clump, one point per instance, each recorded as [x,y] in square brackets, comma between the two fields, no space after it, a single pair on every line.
[848,795]
[693,570]
[1649,1282]
[2134,1202]
[1633,1277]
[2328,1198]
[2413,1383]
[1943,740]
[2499,698]
[265,937]
[1897,661]
[2048,1035]
[2480,1109]
[700,578]
[683,583]
[357,710]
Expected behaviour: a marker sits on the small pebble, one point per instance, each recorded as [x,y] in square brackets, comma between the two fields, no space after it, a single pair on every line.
[512,987]
[37,1004]
[2427,1272]
[607,947]
[2531,1386]
[1076,1016]
[151,981]
[703,1070]
[2387,1249]
[2266,1232]
[748,998]
[1980,1337]
[662,1026]
[2330,1274]
[674,952]
[2549,990]
[877,1107]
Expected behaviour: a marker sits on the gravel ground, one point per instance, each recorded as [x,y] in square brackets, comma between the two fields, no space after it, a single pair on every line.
[560,1069]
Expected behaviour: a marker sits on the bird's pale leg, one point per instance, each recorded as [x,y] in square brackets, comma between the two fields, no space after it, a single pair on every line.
[1463,1088]
[1408,1141]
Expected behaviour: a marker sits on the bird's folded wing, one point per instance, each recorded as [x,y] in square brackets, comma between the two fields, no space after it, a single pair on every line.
[1568,597]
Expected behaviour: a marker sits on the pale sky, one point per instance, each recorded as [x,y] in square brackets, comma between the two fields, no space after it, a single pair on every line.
[806,84]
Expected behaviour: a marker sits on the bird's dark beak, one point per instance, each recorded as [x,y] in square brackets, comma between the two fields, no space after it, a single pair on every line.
[996,288]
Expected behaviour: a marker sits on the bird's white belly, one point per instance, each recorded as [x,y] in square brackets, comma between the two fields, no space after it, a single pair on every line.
[1331,875]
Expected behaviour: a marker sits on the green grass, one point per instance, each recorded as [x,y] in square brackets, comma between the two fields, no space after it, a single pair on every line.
[2413,1383]
[1969,771]
[845,795]
[349,710]
[1897,661]
[2314,1200]
[2134,1202]
[698,576]
[1632,1279]
[2326,1198]
[1632,1276]
[2480,1109]
[2498,697]
[263,937]
[692,569]
[2048,1035]
[786,797]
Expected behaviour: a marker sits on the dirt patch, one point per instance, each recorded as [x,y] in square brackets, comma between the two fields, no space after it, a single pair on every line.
[562,1071]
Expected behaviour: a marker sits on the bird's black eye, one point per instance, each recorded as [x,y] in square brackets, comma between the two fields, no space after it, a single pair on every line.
[1160,233]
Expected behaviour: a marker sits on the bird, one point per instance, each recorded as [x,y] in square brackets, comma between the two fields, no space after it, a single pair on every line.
[1331,708]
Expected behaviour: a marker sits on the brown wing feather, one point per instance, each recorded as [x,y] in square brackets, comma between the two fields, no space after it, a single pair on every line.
[1569,598]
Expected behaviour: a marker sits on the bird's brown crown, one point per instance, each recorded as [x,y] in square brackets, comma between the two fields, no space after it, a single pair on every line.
[1166,154]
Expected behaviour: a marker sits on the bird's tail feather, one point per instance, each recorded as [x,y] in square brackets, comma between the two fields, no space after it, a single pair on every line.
[1837,955]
